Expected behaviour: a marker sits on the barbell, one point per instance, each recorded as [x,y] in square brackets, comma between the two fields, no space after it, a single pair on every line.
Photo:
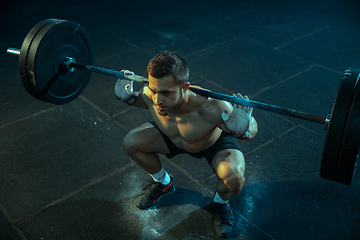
[55,49]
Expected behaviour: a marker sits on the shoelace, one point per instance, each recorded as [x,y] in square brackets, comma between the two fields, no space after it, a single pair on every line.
[150,185]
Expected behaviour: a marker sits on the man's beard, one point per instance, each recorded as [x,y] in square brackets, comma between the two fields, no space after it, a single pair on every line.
[166,111]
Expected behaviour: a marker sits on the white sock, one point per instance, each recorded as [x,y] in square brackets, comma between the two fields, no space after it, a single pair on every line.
[218,199]
[161,177]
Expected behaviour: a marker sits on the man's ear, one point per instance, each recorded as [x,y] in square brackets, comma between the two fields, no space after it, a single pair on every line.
[186,86]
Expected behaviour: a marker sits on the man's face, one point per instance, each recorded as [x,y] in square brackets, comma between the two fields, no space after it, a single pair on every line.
[166,95]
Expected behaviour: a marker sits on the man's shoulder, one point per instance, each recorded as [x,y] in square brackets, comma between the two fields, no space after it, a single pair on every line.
[207,106]
[145,93]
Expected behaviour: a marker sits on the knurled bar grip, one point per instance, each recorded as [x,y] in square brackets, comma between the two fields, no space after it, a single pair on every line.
[109,72]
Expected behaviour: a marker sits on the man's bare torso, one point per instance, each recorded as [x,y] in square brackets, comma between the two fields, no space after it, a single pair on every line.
[196,126]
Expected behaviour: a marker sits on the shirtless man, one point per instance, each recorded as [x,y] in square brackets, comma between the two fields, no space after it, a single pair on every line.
[185,122]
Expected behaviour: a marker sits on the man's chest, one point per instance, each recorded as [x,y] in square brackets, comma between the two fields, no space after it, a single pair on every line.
[188,127]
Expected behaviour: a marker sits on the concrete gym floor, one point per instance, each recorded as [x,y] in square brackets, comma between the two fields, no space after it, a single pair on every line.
[63,171]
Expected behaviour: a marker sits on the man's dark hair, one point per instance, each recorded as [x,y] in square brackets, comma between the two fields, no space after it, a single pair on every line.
[169,64]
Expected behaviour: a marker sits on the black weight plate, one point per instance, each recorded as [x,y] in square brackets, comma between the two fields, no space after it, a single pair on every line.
[51,45]
[31,54]
[351,141]
[336,128]
[24,53]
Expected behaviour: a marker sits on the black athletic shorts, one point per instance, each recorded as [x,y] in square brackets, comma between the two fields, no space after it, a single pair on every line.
[225,141]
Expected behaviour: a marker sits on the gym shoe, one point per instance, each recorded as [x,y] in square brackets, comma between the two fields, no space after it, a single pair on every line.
[153,192]
[223,219]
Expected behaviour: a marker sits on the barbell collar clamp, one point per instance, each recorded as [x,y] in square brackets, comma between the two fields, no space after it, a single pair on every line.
[67,62]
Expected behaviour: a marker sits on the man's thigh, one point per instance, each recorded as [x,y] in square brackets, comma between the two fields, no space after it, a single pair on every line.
[147,138]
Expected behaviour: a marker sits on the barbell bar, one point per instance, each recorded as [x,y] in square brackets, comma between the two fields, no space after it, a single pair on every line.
[54,49]
[70,65]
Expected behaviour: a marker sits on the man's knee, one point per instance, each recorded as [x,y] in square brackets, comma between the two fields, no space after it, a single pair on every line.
[129,142]
[232,175]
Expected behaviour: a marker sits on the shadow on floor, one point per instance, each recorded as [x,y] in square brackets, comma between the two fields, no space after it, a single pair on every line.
[103,219]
